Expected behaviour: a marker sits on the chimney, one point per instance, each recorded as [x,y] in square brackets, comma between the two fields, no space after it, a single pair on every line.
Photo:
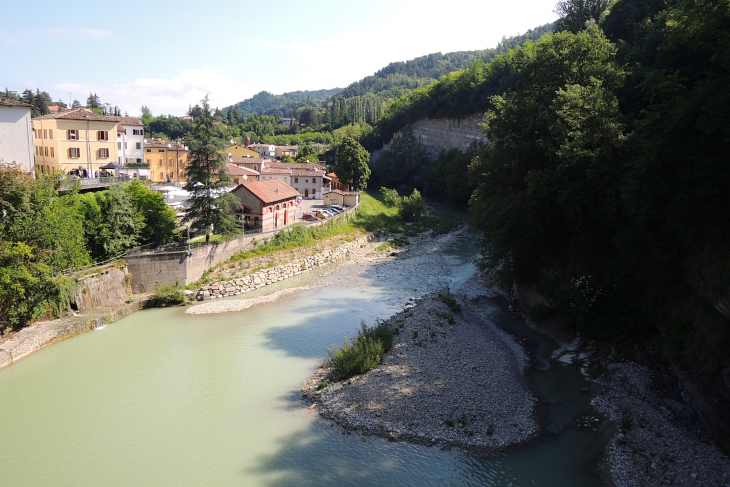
[277,190]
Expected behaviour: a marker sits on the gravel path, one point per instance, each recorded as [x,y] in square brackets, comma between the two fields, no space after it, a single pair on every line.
[450,380]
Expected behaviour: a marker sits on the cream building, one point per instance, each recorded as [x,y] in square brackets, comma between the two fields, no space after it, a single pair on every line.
[16,135]
[75,142]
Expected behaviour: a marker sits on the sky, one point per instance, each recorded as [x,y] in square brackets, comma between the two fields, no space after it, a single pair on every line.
[168,55]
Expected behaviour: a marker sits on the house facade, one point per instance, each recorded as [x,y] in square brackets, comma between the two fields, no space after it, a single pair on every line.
[17,144]
[167,160]
[242,175]
[264,150]
[75,141]
[255,163]
[130,141]
[283,150]
[237,150]
[342,198]
[270,173]
[267,205]
[311,180]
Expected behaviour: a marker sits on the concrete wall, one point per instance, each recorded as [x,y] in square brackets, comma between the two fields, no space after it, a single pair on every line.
[151,270]
[16,138]
[106,285]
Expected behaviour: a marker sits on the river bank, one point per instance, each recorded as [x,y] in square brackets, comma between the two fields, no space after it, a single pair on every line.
[45,333]
[452,380]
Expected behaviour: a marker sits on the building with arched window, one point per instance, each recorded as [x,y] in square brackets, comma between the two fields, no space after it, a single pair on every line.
[267,205]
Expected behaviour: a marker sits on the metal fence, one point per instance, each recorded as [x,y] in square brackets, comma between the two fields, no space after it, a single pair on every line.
[93,182]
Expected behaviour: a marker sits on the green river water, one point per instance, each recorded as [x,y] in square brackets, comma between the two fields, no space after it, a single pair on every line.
[162,398]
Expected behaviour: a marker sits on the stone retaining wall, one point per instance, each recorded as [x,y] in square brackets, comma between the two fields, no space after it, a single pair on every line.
[265,277]
[42,334]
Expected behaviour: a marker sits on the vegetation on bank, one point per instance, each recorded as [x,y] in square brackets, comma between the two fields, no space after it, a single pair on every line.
[365,352]
[604,178]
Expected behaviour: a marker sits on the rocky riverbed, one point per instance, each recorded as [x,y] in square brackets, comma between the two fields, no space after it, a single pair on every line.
[452,379]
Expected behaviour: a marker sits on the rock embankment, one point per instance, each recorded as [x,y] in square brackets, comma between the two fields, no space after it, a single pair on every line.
[655,440]
[452,379]
[256,280]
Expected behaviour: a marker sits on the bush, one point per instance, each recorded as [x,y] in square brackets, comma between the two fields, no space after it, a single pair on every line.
[412,208]
[390,196]
[366,351]
[450,302]
[169,295]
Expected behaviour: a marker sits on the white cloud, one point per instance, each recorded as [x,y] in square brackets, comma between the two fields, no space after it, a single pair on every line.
[165,96]
[92,33]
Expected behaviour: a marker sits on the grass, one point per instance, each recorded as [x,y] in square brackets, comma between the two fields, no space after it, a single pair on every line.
[169,295]
[365,352]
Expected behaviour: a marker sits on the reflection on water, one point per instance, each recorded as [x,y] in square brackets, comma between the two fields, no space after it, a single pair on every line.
[164,398]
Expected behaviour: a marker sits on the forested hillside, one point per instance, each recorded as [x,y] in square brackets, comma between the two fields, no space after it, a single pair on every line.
[604,182]
[284,105]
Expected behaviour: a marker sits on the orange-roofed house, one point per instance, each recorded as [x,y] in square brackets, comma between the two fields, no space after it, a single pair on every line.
[267,205]
[242,174]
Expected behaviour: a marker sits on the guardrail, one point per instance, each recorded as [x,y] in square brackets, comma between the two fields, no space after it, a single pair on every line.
[92,182]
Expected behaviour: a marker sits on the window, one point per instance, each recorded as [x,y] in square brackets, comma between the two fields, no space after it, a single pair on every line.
[162,175]
[160,162]
[45,133]
[296,180]
[149,161]
[119,146]
[137,132]
[161,150]
[50,133]
[103,153]
[139,161]
[74,152]
[138,145]
[46,151]
[306,180]
[125,145]
[102,135]
[149,150]
[171,162]
[73,135]
[52,152]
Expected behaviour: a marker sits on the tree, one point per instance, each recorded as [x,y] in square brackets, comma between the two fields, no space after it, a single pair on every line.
[111,223]
[160,221]
[93,101]
[209,204]
[575,13]
[76,104]
[307,152]
[352,163]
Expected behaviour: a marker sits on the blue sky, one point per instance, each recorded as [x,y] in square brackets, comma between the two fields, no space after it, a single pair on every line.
[167,55]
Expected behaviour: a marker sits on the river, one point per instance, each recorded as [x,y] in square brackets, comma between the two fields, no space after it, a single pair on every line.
[162,398]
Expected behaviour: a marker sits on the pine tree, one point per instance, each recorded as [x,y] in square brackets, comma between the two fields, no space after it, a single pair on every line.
[210,205]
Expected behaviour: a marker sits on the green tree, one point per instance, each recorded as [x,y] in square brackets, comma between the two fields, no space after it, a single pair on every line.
[307,152]
[352,163]
[93,101]
[160,221]
[405,165]
[574,14]
[209,204]
[111,224]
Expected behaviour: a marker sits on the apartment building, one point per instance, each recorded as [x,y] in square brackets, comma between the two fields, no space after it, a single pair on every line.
[167,160]
[16,135]
[130,141]
[75,141]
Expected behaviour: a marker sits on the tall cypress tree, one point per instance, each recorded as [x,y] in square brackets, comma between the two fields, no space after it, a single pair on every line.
[209,204]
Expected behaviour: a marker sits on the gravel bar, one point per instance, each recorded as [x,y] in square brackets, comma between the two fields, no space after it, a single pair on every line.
[452,380]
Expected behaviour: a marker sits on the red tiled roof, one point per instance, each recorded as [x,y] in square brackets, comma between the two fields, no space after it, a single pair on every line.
[270,191]
[241,170]
[6,102]
[130,121]
[157,144]
[248,160]
[275,170]
[78,114]
[54,108]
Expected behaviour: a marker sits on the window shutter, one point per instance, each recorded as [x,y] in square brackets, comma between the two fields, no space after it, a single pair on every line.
[69,153]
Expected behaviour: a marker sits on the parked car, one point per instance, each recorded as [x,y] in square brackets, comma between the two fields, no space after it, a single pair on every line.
[310,218]
[321,214]
[338,207]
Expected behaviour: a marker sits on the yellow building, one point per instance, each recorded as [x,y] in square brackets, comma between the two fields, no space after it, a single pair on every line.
[237,150]
[167,160]
[75,141]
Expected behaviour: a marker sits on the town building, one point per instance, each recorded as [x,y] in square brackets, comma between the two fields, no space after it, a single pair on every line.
[269,173]
[342,198]
[311,180]
[17,143]
[242,174]
[267,205]
[237,150]
[167,160]
[75,141]
[283,150]
[130,141]
[264,150]
[337,184]
[255,163]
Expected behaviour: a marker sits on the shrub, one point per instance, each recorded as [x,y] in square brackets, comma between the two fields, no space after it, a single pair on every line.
[366,351]
[169,295]
[412,208]
[450,302]
[390,197]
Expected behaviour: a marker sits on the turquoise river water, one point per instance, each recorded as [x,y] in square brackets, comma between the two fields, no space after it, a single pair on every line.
[162,398]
